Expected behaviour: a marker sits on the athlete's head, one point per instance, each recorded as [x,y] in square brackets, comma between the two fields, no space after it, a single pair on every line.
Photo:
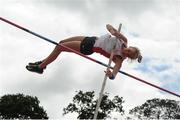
[132,53]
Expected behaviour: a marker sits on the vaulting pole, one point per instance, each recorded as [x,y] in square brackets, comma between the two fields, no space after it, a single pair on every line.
[101,63]
[105,79]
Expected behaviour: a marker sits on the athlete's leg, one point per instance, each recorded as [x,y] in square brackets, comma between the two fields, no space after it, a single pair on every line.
[73,43]
[77,38]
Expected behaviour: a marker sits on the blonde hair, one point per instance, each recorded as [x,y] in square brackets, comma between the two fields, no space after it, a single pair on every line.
[137,55]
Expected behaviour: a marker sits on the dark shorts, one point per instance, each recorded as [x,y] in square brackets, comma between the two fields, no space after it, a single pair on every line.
[87,44]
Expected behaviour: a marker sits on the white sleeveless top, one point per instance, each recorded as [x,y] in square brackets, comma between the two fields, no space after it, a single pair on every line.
[104,45]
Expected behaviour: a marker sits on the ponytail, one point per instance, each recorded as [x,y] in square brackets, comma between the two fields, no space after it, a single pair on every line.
[139,59]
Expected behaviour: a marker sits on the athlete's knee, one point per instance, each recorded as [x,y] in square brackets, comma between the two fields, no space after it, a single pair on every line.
[57,48]
[60,47]
[62,41]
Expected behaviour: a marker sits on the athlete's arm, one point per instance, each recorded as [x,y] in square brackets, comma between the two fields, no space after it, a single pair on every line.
[117,34]
[118,63]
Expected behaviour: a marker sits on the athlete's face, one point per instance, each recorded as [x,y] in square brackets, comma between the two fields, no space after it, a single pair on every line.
[129,52]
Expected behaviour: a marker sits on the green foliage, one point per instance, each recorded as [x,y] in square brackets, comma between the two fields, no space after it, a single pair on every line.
[85,105]
[21,106]
[158,109]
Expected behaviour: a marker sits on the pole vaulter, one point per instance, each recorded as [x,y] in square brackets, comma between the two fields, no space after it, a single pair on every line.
[96,61]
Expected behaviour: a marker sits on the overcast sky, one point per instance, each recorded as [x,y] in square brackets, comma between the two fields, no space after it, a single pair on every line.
[151,25]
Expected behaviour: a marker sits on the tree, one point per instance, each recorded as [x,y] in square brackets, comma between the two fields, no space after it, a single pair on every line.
[84,104]
[158,109]
[21,106]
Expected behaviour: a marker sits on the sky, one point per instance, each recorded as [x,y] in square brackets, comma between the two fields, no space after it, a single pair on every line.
[151,25]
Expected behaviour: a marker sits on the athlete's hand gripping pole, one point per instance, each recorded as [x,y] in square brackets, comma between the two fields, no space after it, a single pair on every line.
[105,79]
